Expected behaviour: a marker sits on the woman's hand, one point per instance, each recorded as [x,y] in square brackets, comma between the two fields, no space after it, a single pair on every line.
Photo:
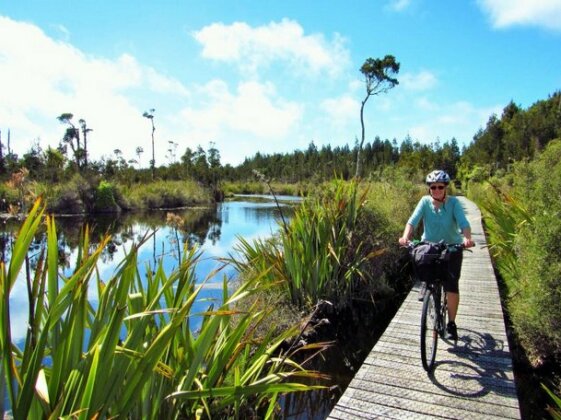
[468,243]
[403,241]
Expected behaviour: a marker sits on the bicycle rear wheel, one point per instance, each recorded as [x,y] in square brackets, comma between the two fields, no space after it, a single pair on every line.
[429,331]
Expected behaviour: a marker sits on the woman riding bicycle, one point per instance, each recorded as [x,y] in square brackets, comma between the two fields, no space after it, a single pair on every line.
[443,220]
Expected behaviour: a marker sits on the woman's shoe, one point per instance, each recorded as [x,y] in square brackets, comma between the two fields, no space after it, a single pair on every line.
[452,331]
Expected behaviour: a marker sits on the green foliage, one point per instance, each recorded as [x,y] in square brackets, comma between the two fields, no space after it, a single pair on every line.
[74,197]
[133,353]
[318,165]
[166,194]
[247,187]
[105,198]
[254,187]
[393,193]
[505,217]
[555,412]
[9,194]
[536,307]
[517,135]
[326,250]
[85,195]
[525,233]
[378,78]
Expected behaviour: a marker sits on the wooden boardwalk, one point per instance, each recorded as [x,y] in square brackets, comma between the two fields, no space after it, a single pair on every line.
[472,379]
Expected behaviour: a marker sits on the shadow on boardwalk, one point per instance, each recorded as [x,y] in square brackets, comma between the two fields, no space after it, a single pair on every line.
[475,371]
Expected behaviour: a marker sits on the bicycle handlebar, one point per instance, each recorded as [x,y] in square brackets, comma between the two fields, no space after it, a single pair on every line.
[457,247]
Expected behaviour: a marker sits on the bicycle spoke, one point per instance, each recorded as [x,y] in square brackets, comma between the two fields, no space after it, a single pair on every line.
[443,313]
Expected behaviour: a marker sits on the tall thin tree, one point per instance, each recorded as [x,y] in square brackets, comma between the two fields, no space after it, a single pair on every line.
[72,134]
[150,115]
[1,155]
[378,77]
[85,131]
[139,151]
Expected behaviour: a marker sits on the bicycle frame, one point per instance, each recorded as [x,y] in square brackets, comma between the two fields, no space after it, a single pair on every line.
[434,311]
[437,288]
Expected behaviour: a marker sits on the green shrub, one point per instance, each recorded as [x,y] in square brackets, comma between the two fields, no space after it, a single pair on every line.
[535,304]
[75,197]
[388,207]
[166,194]
[522,212]
[8,195]
[105,198]
[328,250]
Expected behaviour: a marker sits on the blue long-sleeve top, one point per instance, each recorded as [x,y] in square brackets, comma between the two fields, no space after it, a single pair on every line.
[445,224]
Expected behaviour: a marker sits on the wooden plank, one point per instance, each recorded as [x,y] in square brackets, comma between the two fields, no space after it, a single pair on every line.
[472,378]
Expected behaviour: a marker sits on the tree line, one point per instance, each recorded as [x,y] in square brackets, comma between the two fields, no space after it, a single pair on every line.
[516,135]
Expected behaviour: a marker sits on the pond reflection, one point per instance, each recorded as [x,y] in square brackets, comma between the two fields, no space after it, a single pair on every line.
[213,231]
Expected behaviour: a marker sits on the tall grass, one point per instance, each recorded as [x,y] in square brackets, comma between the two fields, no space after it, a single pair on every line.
[504,216]
[318,255]
[522,222]
[134,354]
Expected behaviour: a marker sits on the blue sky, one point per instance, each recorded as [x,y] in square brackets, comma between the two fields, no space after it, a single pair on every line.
[267,76]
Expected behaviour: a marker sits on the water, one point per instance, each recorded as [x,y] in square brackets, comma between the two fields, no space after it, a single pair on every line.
[214,231]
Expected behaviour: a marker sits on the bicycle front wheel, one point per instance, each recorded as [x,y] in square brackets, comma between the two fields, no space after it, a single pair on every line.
[443,312]
[429,331]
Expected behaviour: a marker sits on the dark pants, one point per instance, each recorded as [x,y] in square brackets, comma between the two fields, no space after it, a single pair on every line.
[452,271]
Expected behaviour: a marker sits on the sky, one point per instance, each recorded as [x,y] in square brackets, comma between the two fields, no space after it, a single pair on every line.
[266,76]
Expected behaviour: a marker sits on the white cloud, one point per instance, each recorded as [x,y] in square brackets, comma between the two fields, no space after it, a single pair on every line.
[41,78]
[459,120]
[253,48]
[253,109]
[399,5]
[425,104]
[238,121]
[505,13]
[341,110]
[424,80]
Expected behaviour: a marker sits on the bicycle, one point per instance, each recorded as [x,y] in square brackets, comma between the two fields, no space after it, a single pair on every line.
[428,263]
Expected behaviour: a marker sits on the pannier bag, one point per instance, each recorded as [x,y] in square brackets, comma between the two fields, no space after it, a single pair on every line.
[426,260]
[427,253]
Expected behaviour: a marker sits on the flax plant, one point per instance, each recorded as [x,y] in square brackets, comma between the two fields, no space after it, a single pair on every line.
[133,352]
[554,411]
[318,255]
[504,216]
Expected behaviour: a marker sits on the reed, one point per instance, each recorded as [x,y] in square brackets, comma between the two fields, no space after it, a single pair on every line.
[133,352]
[318,255]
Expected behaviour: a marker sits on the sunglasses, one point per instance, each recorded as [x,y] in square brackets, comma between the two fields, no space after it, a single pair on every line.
[437,187]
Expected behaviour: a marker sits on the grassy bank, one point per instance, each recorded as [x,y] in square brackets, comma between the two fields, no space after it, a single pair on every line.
[257,187]
[83,195]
